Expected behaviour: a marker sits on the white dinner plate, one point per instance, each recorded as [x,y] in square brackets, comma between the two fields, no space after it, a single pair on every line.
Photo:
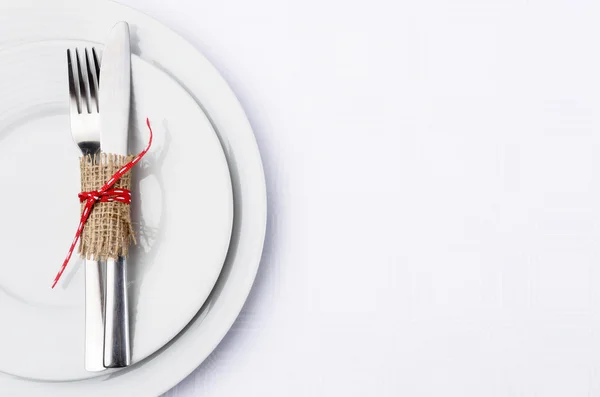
[182,212]
[34,20]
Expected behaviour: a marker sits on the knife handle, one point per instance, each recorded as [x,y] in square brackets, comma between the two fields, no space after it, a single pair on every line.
[117,350]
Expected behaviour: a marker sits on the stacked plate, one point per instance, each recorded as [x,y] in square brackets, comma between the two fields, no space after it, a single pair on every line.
[200,211]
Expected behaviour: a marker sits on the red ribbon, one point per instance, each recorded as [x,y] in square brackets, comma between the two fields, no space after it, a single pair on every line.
[121,195]
[104,194]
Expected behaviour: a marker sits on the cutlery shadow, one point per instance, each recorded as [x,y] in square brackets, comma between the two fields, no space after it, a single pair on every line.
[143,253]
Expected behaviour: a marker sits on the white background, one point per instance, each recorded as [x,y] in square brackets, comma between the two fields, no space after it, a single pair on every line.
[434,182]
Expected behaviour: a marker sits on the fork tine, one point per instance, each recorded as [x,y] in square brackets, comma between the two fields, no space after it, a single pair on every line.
[73,91]
[96,63]
[83,83]
[92,79]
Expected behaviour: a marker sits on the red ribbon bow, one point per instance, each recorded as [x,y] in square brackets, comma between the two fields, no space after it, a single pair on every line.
[104,194]
[121,195]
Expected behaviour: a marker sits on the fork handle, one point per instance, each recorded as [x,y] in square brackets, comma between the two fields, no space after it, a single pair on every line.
[117,350]
[94,316]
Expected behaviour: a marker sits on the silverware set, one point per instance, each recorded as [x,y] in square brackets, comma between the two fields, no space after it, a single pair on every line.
[99,109]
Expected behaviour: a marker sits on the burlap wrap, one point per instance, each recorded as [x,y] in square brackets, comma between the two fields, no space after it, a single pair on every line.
[108,231]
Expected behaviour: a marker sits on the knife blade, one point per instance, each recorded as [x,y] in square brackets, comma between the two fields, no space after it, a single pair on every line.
[114,102]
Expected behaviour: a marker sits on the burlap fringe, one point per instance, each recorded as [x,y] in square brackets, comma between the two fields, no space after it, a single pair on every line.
[108,230]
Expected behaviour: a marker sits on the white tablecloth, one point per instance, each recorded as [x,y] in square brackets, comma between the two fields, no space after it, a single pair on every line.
[434,187]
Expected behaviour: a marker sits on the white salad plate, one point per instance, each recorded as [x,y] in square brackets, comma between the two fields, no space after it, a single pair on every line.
[182,212]
[32,23]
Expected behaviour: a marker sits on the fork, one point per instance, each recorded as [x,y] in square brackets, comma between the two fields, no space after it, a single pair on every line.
[84,73]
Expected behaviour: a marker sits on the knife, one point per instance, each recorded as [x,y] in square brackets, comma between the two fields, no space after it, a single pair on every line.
[114,92]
